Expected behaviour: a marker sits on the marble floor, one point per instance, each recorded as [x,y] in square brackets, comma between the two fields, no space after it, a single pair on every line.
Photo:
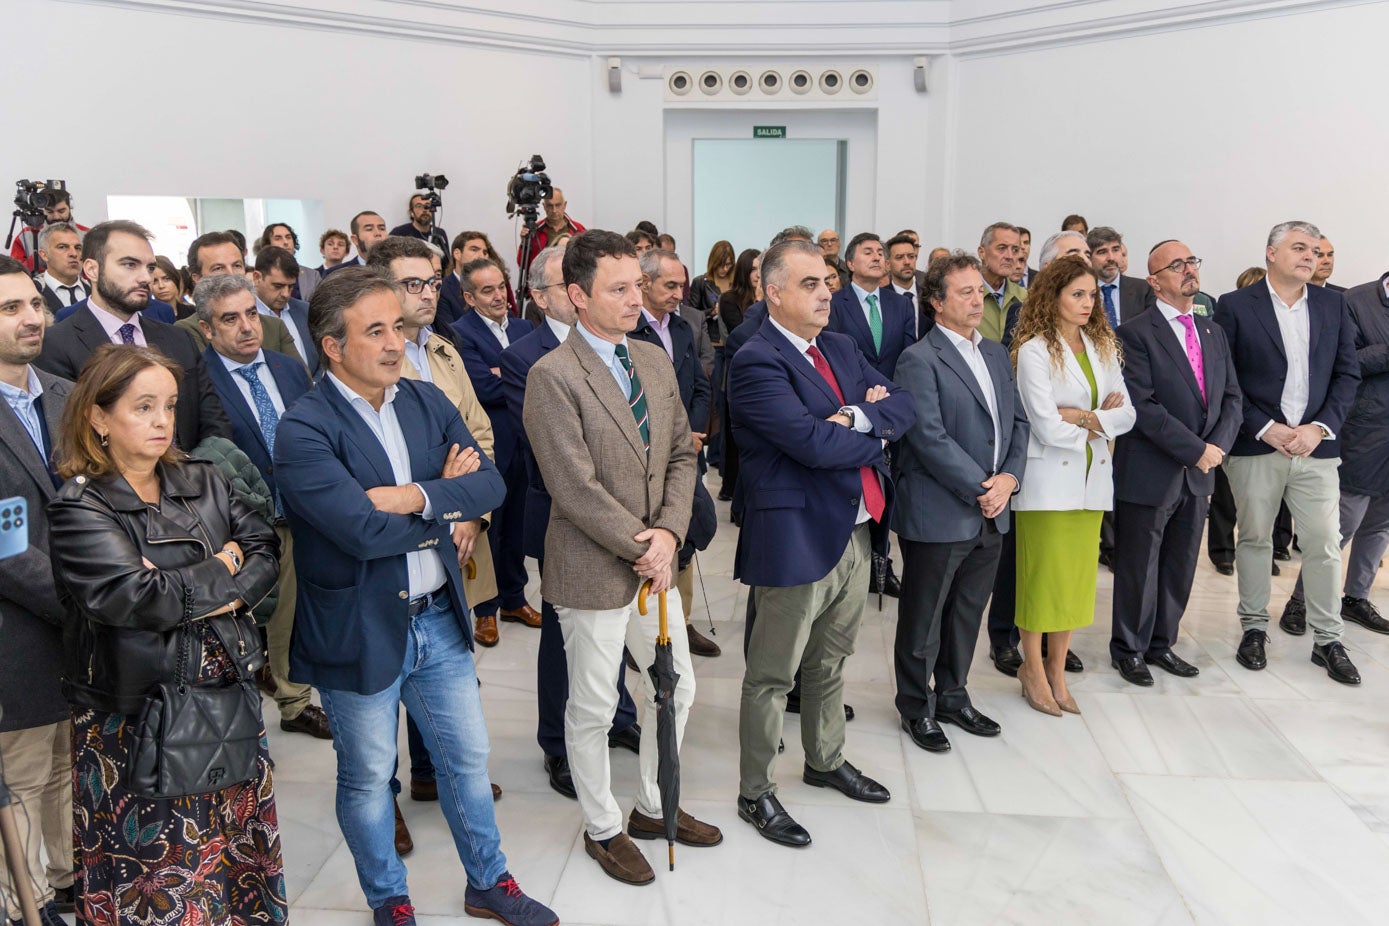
[1235,797]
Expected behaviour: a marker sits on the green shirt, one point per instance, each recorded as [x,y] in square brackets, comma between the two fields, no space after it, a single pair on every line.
[996,316]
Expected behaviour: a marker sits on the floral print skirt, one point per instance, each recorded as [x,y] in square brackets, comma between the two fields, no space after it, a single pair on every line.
[208,860]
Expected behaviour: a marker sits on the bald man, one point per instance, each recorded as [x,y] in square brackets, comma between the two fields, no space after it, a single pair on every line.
[1180,373]
[557,224]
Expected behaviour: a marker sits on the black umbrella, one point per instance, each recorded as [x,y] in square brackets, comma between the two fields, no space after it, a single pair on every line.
[880,573]
[663,679]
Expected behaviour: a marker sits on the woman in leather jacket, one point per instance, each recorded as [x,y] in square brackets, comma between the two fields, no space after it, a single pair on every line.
[142,537]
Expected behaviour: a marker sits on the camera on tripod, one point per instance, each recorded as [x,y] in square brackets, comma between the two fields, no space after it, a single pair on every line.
[432,185]
[528,189]
[32,197]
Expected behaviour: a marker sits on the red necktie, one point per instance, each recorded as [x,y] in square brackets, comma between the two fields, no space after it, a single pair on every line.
[872,490]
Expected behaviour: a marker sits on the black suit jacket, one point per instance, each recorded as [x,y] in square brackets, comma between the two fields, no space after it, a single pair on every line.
[1157,459]
[689,372]
[1247,315]
[199,414]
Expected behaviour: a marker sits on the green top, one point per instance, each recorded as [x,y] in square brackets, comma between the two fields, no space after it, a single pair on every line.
[1084,359]
[996,316]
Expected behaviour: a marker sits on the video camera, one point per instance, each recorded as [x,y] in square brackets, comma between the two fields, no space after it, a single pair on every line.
[528,189]
[32,197]
[432,185]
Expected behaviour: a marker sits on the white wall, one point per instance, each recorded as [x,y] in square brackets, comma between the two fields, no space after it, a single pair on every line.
[1212,135]
[188,106]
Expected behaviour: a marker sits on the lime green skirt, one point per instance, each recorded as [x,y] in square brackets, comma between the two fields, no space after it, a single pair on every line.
[1058,566]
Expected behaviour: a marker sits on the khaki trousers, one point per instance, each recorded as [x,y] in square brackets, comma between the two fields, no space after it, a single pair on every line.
[811,627]
[292,697]
[38,771]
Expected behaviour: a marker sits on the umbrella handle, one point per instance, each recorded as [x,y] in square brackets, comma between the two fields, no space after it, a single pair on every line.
[663,632]
[641,597]
[470,569]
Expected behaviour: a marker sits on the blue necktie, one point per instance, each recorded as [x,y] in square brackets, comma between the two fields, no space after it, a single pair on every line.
[127,333]
[1109,311]
[265,409]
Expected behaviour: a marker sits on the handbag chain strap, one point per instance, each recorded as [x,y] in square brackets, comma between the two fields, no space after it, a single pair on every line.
[185,641]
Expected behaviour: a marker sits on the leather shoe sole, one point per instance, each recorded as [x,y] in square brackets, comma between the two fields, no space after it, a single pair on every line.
[522,615]
[932,739]
[688,830]
[1368,621]
[977,725]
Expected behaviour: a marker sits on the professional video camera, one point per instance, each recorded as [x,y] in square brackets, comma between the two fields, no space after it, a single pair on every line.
[432,185]
[528,189]
[31,198]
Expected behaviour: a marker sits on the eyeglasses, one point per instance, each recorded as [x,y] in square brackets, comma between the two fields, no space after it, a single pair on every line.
[1191,263]
[414,285]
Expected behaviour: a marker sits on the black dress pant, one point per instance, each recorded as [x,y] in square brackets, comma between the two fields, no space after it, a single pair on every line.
[1156,550]
[1002,630]
[944,589]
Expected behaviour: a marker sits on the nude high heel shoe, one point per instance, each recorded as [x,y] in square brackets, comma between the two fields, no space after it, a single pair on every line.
[1049,706]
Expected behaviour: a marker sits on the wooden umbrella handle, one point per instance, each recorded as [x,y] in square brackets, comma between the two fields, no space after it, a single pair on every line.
[470,569]
[641,597]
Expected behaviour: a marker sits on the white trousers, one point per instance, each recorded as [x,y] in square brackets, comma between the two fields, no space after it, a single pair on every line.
[593,642]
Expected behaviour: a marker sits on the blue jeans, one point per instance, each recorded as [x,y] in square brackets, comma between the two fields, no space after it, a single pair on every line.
[438,685]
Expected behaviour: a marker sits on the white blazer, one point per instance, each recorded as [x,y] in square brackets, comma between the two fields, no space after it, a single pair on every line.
[1055,478]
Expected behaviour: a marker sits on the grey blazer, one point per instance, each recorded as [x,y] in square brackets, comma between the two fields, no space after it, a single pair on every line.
[1135,298]
[31,618]
[703,348]
[942,460]
[605,487]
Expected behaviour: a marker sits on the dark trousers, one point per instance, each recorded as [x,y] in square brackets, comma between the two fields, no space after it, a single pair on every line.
[1155,554]
[1220,534]
[552,686]
[1002,630]
[1107,535]
[728,461]
[508,551]
[944,589]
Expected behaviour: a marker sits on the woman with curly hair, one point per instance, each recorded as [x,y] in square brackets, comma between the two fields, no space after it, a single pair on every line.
[1071,383]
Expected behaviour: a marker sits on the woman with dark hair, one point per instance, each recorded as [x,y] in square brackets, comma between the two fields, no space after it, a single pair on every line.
[706,288]
[1071,383]
[159,563]
[743,292]
[166,285]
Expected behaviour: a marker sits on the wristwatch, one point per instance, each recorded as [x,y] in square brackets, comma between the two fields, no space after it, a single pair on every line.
[1325,431]
[847,412]
[236,560]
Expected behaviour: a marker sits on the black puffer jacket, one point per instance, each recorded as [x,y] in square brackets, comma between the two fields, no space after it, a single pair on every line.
[122,618]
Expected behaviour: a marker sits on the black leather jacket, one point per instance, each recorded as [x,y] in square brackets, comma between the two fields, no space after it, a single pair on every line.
[121,636]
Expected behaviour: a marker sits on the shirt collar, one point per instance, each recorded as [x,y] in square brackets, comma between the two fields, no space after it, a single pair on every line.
[1301,300]
[423,335]
[605,349]
[56,284]
[495,326]
[353,398]
[1171,312]
[904,290]
[959,340]
[233,365]
[798,342]
[264,309]
[34,390]
[661,324]
[560,329]
[862,293]
[110,322]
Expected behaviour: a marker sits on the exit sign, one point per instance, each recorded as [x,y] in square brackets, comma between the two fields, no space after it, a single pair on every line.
[769,131]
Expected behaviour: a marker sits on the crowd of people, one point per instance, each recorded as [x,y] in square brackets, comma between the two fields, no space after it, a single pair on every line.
[244,476]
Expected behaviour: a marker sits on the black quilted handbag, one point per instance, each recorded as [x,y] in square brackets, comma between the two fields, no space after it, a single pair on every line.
[194,739]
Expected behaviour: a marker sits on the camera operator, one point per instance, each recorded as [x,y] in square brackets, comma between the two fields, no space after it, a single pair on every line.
[557,222]
[421,224]
[26,243]
[60,250]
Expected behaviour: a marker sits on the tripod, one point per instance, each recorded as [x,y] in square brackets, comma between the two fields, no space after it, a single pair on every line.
[531,219]
[29,221]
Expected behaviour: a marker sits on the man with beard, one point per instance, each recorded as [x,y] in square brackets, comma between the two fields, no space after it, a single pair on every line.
[117,258]
[1124,296]
[368,228]
[421,224]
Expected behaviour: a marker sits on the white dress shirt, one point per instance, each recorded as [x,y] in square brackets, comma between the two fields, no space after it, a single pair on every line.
[60,289]
[266,378]
[1295,328]
[415,352]
[910,293]
[425,569]
[294,334]
[112,325]
[497,328]
[974,359]
[560,329]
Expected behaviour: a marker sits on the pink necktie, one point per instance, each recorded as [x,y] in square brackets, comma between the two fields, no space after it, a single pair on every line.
[1193,352]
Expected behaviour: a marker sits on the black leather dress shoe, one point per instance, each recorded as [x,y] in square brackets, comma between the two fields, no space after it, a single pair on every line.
[1294,619]
[629,738]
[772,821]
[1361,611]
[1275,570]
[1224,566]
[926,733]
[1107,559]
[311,720]
[1006,659]
[793,706]
[1171,663]
[970,720]
[557,767]
[1282,555]
[1251,650]
[1332,657]
[1073,663]
[892,586]
[1133,670]
[848,781]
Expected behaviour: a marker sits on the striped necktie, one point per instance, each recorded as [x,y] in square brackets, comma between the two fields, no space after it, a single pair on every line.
[636,397]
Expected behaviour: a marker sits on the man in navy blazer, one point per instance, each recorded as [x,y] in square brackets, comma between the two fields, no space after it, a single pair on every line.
[1164,469]
[955,471]
[551,666]
[276,273]
[812,418]
[375,473]
[482,334]
[257,386]
[1294,351]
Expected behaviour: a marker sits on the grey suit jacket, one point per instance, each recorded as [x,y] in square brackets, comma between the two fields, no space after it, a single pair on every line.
[605,487]
[276,335]
[1135,298]
[31,638]
[703,347]
[940,463]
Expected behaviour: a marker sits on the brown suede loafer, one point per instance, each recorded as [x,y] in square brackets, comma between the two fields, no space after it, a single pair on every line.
[485,631]
[621,860]
[688,830]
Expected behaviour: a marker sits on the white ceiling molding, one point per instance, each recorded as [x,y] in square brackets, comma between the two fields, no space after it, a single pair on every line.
[737,28]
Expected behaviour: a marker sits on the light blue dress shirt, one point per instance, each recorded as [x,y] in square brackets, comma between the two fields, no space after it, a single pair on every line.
[607,352]
[22,402]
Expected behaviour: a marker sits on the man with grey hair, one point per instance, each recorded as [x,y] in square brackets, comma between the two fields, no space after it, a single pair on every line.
[60,249]
[1000,247]
[1295,357]
[1124,296]
[1063,244]
[256,386]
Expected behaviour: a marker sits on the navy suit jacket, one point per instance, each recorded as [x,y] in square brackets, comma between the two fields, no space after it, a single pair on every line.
[1247,315]
[351,617]
[802,471]
[451,305]
[517,361]
[1157,459]
[689,372]
[847,317]
[159,311]
[481,352]
[354,261]
[290,379]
